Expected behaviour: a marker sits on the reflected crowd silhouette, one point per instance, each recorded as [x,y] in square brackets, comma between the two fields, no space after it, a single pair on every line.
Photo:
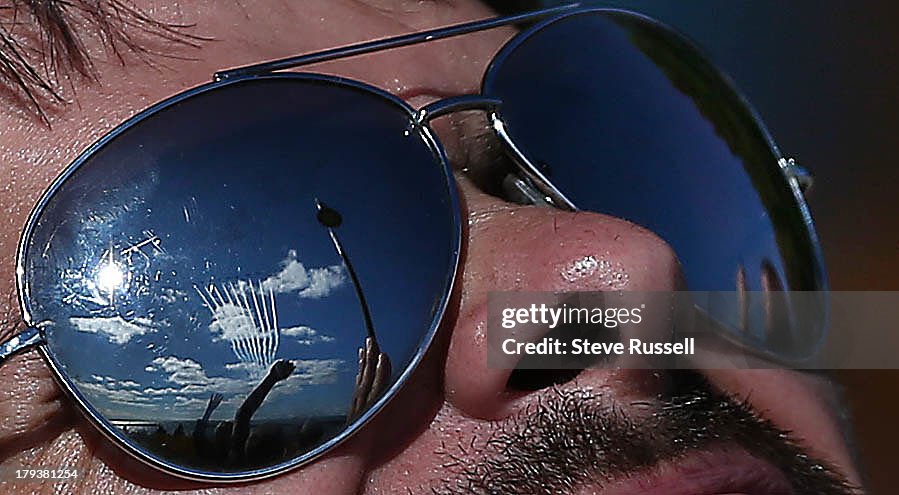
[240,443]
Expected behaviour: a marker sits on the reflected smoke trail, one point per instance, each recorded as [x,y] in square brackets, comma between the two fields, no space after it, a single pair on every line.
[247,318]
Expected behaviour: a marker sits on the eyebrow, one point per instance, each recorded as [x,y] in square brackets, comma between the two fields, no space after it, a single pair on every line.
[43,45]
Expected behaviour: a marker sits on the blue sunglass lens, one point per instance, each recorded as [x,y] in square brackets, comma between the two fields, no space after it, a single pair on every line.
[189,281]
[626,118]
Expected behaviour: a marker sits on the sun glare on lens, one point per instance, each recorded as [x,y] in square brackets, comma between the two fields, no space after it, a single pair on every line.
[110,277]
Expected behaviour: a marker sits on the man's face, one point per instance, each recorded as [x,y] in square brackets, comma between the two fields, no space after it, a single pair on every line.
[458,426]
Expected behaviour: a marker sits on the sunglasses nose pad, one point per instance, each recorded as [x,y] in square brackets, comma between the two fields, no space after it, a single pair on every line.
[797,174]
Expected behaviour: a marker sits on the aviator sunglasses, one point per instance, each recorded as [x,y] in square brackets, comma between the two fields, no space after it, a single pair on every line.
[234,281]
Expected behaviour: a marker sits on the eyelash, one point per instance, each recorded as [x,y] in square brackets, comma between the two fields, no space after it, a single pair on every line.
[42,44]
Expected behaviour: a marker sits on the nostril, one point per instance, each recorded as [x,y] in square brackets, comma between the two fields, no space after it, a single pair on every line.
[536,372]
[531,380]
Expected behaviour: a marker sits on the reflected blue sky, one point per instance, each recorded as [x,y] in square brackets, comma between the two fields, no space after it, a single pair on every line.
[159,277]
[631,124]
[822,74]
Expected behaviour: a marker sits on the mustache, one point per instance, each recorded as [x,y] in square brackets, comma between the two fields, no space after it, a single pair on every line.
[578,436]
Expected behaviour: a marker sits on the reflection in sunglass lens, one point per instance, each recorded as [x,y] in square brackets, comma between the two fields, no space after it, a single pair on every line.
[200,295]
[630,120]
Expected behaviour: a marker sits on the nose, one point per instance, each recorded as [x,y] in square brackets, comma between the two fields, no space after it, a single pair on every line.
[515,248]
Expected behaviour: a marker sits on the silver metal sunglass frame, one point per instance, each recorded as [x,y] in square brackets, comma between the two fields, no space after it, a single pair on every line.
[539,188]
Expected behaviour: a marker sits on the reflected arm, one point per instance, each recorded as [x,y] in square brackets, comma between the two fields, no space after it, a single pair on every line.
[200,429]
[279,371]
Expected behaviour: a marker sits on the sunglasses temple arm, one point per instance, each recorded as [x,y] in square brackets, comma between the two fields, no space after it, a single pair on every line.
[20,342]
[388,43]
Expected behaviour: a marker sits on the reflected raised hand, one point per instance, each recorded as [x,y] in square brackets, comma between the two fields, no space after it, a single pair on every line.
[214,400]
[371,380]
[281,370]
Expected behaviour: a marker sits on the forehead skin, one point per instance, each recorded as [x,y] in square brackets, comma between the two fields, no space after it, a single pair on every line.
[245,32]
[36,425]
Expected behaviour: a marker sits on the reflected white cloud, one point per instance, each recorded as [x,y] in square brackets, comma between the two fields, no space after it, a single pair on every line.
[315,371]
[135,399]
[193,379]
[306,335]
[117,329]
[242,366]
[231,322]
[323,281]
[311,283]
[309,372]
[111,382]
[159,391]
[181,371]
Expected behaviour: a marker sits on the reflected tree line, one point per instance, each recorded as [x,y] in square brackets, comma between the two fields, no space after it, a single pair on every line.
[240,443]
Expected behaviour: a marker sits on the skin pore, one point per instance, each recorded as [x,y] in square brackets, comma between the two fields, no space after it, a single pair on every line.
[433,437]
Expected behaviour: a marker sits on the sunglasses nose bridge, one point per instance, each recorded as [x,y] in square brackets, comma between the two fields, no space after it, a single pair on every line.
[528,168]
[537,187]
[455,104]
[532,185]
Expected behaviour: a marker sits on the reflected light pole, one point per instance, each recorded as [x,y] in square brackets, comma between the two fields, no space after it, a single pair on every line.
[374,365]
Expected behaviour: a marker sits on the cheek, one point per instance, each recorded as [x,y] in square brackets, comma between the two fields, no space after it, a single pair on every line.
[33,408]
